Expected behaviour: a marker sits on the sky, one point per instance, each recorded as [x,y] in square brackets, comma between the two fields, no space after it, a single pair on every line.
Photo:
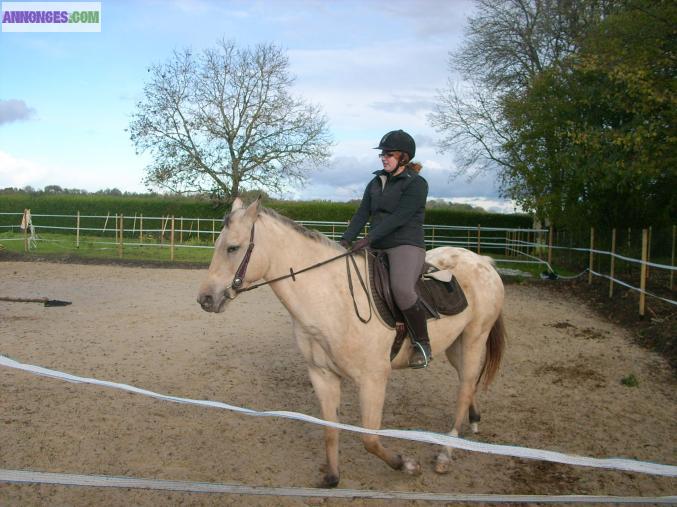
[66,99]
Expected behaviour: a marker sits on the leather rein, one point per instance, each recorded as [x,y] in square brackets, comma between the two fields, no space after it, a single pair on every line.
[238,278]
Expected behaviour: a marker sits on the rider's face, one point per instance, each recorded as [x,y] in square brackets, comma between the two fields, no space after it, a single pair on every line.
[389,160]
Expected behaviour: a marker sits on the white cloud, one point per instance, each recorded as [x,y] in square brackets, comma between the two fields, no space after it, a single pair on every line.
[16,172]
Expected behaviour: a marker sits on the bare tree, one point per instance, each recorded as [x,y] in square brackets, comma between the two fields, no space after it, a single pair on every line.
[507,43]
[225,120]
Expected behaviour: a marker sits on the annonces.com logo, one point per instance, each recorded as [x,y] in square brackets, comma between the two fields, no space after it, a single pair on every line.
[51,16]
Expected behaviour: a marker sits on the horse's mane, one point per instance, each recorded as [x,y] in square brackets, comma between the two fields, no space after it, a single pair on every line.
[308,233]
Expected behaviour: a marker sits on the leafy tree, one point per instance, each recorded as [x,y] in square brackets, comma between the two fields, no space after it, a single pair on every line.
[594,138]
[225,120]
[508,43]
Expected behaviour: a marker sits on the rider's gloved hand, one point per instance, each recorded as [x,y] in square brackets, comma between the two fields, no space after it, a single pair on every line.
[345,244]
[360,244]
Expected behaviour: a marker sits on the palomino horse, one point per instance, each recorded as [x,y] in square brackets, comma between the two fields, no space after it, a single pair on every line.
[335,343]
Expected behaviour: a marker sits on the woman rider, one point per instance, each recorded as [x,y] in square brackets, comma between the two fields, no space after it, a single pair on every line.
[394,203]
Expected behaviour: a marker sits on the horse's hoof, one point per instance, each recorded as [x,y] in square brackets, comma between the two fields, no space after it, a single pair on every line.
[411,466]
[329,481]
[475,427]
[442,464]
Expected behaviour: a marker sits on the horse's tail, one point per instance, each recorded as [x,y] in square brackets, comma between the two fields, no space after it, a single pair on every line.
[495,348]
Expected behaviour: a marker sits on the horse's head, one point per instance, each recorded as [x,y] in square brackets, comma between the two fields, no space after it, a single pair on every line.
[229,251]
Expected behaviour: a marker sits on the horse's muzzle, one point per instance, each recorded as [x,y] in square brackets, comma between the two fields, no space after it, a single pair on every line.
[209,303]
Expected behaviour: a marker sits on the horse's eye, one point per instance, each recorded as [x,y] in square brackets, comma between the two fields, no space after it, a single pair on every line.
[233,248]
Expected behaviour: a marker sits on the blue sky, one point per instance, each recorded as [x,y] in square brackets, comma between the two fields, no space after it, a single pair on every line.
[373,66]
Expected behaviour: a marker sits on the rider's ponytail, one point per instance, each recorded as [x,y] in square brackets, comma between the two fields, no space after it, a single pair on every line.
[415,166]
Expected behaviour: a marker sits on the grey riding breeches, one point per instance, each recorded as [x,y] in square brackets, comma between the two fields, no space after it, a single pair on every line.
[406,265]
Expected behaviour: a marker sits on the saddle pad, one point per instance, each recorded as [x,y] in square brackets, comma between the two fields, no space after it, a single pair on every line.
[438,297]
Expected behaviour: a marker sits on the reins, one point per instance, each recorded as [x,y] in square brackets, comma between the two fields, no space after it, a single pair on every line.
[238,279]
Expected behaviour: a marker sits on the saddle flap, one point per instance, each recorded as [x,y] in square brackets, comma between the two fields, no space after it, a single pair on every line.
[443,275]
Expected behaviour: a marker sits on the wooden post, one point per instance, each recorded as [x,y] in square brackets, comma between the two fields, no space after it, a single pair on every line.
[518,240]
[118,231]
[163,228]
[181,231]
[198,229]
[592,246]
[478,239]
[550,246]
[141,228]
[26,225]
[672,262]
[642,281]
[171,241]
[648,253]
[77,232]
[213,231]
[105,224]
[432,240]
[613,262]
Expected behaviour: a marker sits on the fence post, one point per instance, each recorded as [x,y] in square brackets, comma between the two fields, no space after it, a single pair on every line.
[642,281]
[24,222]
[171,241]
[550,246]
[181,231]
[163,228]
[672,262]
[478,239]
[648,252]
[592,246]
[198,229]
[432,240]
[141,228]
[613,262]
[120,233]
[105,224]
[213,231]
[77,232]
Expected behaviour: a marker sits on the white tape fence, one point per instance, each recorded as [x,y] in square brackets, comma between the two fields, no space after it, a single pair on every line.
[627,465]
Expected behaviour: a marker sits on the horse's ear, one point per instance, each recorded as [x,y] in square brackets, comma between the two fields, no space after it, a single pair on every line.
[253,209]
[237,204]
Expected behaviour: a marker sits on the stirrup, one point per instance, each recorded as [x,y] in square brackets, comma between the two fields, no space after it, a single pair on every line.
[420,350]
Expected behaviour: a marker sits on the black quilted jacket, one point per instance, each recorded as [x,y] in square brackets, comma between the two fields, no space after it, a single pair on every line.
[395,208]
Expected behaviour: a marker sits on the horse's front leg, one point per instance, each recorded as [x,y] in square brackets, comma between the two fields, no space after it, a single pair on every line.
[327,387]
[372,396]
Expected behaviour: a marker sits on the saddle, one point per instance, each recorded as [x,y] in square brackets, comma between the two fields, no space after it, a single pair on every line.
[437,289]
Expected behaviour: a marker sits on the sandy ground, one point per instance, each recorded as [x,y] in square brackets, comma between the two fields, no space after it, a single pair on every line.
[559,388]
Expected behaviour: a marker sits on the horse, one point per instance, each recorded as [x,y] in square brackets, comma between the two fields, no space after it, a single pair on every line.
[338,343]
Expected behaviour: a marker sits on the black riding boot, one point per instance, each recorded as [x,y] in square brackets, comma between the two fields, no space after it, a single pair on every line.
[415,317]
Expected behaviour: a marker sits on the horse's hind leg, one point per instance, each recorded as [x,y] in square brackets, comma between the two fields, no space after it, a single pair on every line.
[470,352]
[372,396]
[455,357]
[327,387]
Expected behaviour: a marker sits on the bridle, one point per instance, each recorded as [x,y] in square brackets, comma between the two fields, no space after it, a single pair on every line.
[238,278]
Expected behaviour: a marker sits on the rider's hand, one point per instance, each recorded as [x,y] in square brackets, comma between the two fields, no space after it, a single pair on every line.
[345,244]
[360,244]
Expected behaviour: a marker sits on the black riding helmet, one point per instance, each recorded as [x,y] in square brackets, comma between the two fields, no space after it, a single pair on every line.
[398,140]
